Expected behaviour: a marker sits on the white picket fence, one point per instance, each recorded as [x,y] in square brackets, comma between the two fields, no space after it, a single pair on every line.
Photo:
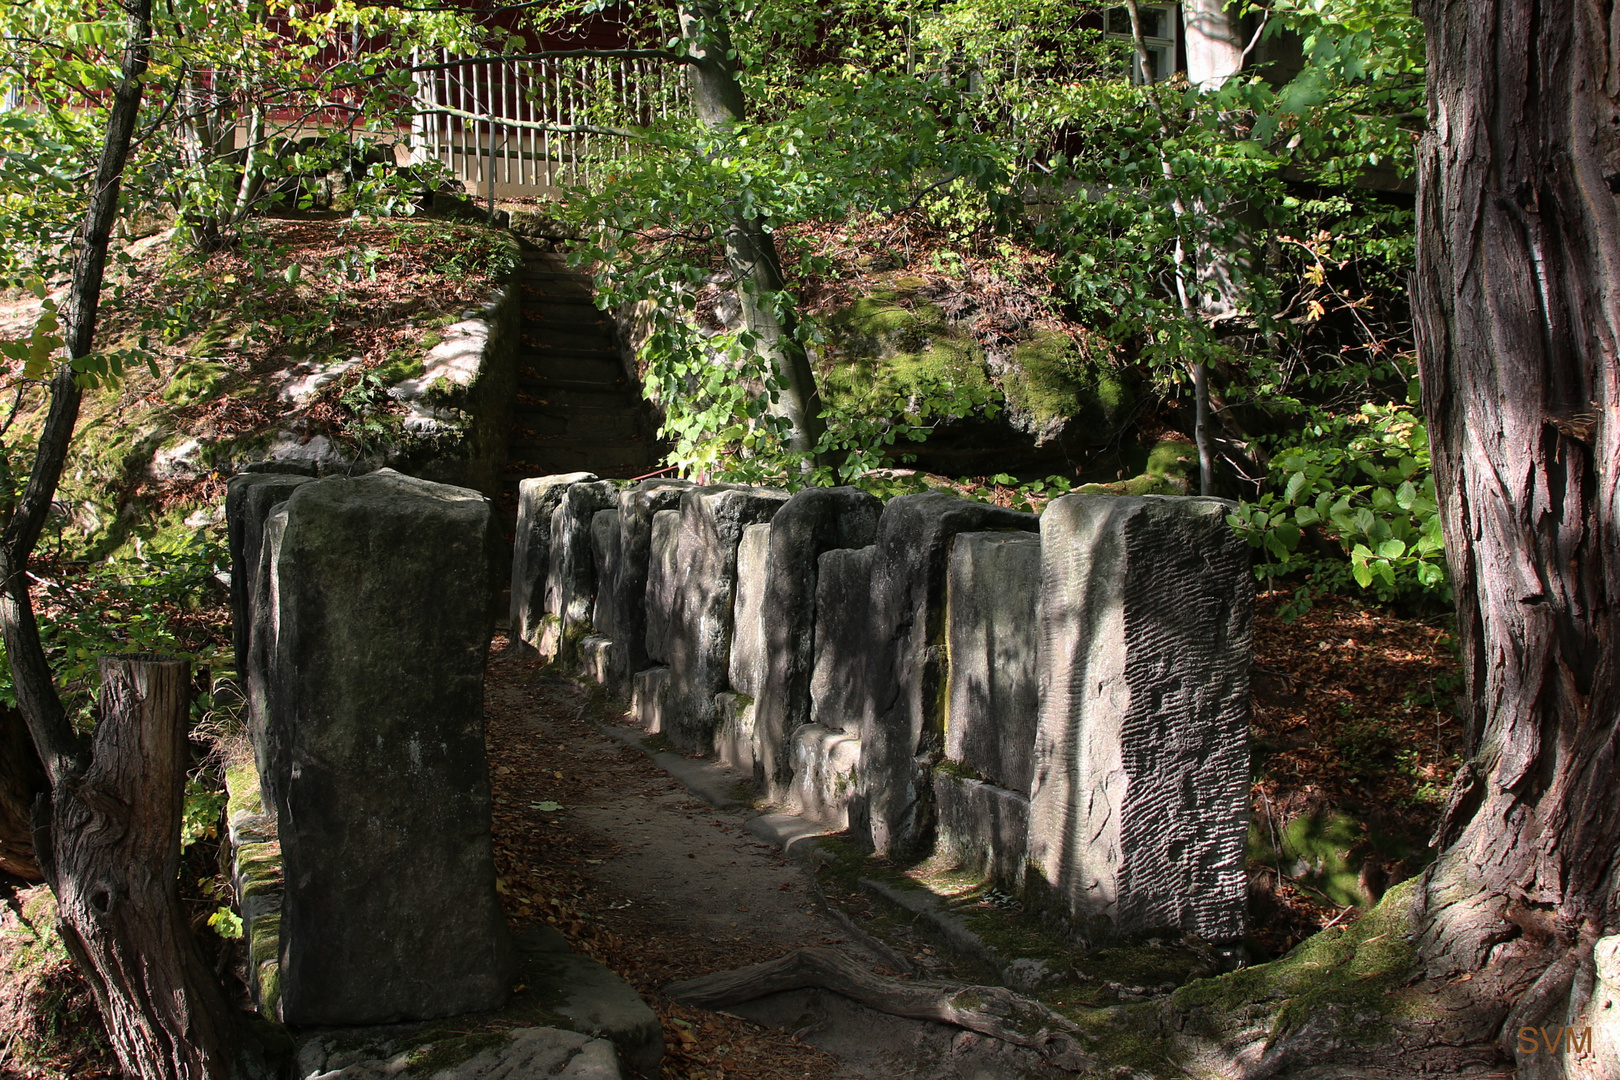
[534,128]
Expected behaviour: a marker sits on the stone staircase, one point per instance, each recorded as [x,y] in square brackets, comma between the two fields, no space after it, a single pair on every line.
[577,409]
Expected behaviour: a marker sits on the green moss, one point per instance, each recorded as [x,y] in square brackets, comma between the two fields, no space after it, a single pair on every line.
[192,381]
[1357,967]
[447,1053]
[401,364]
[1172,459]
[1051,378]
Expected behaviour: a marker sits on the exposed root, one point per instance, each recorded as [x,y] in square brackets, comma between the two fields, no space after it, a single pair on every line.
[987,1010]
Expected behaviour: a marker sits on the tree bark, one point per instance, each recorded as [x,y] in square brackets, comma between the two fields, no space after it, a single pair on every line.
[750,248]
[113,862]
[22,780]
[1517,306]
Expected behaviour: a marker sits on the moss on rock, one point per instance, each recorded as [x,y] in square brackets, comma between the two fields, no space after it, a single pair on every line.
[1052,378]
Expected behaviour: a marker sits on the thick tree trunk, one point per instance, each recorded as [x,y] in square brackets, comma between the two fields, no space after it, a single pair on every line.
[22,780]
[113,861]
[750,248]
[1517,306]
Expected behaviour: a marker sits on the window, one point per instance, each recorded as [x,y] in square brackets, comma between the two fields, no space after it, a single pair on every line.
[1159,26]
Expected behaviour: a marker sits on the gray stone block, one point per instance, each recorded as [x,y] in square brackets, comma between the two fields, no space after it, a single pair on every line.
[826,775]
[628,592]
[589,998]
[734,731]
[605,554]
[838,679]
[705,581]
[1139,806]
[595,658]
[384,591]
[649,699]
[269,753]
[814,521]
[901,719]
[518,1054]
[982,828]
[571,578]
[531,553]
[249,498]
[748,619]
[663,582]
[992,685]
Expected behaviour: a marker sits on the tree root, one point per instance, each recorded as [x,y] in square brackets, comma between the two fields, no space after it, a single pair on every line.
[987,1010]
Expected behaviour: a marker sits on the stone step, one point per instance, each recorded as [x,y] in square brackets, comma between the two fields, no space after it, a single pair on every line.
[578,367]
[574,392]
[573,421]
[569,337]
[581,455]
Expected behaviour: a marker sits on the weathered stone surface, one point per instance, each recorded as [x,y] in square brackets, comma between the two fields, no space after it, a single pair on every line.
[814,521]
[992,685]
[268,740]
[663,583]
[705,579]
[595,658]
[748,625]
[605,555]
[590,999]
[981,827]
[571,578]
[649,699]
[249,498]
[628,593]
[843,609]
[734,731]
[900,715]
[1139,806]
[384,589]
[520,1054]
[826,771]
[531,552]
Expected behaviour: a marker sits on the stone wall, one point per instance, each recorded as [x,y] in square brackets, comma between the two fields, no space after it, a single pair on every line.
[1056,702]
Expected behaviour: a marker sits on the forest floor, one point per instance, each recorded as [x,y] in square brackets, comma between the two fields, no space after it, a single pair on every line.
[1354,742]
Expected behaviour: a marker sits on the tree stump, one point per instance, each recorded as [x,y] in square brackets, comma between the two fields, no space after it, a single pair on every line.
[113,860]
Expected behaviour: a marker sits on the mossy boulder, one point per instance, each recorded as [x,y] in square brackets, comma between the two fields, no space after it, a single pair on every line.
[1052,378]
[888,347]
[194,380]
[1171,469]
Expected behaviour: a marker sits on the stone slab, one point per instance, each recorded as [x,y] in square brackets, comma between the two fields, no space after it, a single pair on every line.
[992,685]
[538,497]
[813,521]
[982,828]
[627,593]
[596,658]
[902,723]
[384,589]
[530,1053]
[590,999]
[571,576]
[843,609]
[663,583]
[702,589]
[605,558]
[1139,805]
[826,774]
[734,731]
[249,498]
[748,643]
[649,699]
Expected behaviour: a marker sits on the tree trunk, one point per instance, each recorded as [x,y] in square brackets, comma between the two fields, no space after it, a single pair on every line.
[22,780]
[1517,306]
[750,248]
[1214,42]
[113,862]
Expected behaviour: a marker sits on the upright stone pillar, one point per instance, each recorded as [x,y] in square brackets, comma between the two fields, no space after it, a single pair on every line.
[901,720]
[813,521]
[628,597]
[1139,804]
[384,588]
[734,708]
[991,701]
[249,500]
[531,553]
[571,579]
[650,685]
[825,754]
[698,635]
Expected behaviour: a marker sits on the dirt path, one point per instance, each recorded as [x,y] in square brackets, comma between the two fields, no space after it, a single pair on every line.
[641,874]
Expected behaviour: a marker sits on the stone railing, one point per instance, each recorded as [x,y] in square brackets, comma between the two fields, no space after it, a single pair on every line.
[1058,702]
